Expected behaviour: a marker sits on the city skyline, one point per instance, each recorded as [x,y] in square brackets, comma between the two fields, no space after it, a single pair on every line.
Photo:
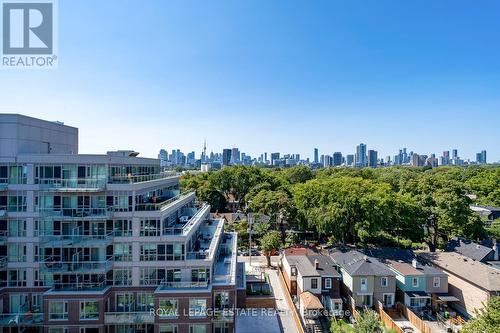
[331,75]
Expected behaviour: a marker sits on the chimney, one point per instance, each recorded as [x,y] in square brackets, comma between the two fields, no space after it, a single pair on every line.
[415,263]
[316,263]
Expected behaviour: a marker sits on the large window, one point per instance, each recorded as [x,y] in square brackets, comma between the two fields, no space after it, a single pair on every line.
[198,328]
[17,202]
[221,300]
[58,310]
[122,228]
[122,276]
[197,307]
[169,307]
[89,310]
[16,277]
[17,228]
[145,302]
[200,274]
[149,252]
[123,251]
[169,328]
[150,228]
[16,252]
[125,302]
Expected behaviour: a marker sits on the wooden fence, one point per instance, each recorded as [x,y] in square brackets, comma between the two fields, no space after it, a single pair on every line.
[386,319]
[413,318]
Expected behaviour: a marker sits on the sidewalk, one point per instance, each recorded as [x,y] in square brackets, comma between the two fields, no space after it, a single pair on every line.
[286,318]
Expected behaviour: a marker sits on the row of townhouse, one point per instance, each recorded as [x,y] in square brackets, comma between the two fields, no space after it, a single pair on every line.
[105,243]
[363,277]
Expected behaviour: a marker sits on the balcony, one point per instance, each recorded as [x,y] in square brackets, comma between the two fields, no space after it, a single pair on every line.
[68,267]
[150,206]
[79,286]
[111,318]
[141,178]
[3,236]
[75,213]
[171,286]
[223,316]
[76,240]
[3,262]
[26,319]
[72,185]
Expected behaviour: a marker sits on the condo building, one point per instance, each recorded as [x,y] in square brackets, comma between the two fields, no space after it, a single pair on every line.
[105,243]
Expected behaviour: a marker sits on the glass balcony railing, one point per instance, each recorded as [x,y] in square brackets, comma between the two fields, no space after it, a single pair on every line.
[164,285]
[3,211]
[80,240]
[3,236]
[75,213]
[111,318]
[4,184]
[162,204]
[79,286]
[57,266]
[84,184]
[132,179]
[27,319]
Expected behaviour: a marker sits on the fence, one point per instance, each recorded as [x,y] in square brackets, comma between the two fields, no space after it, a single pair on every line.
[413,318]
[286,294]
[386,319]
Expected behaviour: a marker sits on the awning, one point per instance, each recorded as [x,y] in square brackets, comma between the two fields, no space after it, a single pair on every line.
[418,294]
[448,298]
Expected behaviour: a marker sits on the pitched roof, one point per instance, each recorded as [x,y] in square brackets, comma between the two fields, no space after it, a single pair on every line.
[473,271]
[404,268]
[305,261]
[468,248]
[310,301]
[404,256]
[356,263]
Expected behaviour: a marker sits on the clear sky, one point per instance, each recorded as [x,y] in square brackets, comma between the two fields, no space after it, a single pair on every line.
[269,75]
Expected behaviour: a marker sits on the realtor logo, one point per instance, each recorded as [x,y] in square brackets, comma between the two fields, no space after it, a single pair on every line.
[28,33]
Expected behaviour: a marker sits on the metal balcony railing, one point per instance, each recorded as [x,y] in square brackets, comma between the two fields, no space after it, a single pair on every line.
[128,318]
[141,178]
[79,286]
[27,319]
[159,205]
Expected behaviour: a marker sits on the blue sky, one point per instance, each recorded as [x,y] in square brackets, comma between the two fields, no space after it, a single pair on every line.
[272,76]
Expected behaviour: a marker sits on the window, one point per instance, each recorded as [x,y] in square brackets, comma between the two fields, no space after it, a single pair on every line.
[293,271]
[170,328]
[148,252]
[197,329]
[16,252]
[388,299]
[58,310]
[145,302]
[367,300]
[89,310]
[197,307]
[221,300]
[364,284]
[123,252]
[17,228]
[414,282]
[16,278]
[18,303]
[58,330]
[221,327]
[169,307]
[314,283]
[436,282]
[328,283]
[384,282]
[37,303]
[200,275]
[123,228]
[124,302]
[122,276]
[150,228]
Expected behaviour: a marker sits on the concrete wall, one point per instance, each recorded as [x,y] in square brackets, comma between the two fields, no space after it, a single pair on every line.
[25,135]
